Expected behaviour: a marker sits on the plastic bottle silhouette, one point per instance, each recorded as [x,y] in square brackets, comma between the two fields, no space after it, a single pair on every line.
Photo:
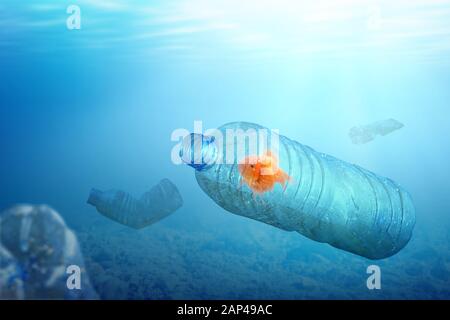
[327,199]
[154,205]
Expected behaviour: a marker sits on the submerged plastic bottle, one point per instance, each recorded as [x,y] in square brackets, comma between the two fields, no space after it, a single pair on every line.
[162,200]
[326,199]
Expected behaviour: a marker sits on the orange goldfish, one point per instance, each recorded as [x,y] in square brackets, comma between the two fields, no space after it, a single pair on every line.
[260,173]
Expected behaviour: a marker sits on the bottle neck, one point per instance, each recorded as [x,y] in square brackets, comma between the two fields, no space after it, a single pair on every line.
[198,151]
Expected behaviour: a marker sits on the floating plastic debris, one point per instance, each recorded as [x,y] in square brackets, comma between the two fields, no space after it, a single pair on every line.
[364,134]
[323,198]
[154,205]
[36,248]
[11,277]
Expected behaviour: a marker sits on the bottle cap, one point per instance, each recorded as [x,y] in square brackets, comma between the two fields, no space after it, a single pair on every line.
[199,151]
[94,197]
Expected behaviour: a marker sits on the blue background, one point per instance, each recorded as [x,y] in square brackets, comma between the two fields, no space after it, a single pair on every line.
[96,107]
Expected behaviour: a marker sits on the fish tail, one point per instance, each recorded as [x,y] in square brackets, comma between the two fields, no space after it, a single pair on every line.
[283,177]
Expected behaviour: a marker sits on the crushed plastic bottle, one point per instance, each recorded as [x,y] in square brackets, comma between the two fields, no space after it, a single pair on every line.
[154,205]
[366,133]
[326,199]
[36,247]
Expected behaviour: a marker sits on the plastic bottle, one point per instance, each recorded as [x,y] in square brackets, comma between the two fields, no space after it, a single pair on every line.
[154,205]
[36,249]
[327,199]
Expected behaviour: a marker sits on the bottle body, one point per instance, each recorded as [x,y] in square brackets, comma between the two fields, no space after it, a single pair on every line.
[162,200]
[326,199]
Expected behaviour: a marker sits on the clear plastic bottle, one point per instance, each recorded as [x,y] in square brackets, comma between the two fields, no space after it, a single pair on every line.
[162,200]
[327,199]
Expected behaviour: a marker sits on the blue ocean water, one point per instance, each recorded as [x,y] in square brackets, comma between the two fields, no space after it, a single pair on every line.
[96,107]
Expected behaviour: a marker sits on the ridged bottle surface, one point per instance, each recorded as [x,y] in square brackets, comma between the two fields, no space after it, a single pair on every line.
[327,200]
[162,200]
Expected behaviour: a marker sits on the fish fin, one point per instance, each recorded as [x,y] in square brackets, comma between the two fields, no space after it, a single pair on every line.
[282,178]
[266,182]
